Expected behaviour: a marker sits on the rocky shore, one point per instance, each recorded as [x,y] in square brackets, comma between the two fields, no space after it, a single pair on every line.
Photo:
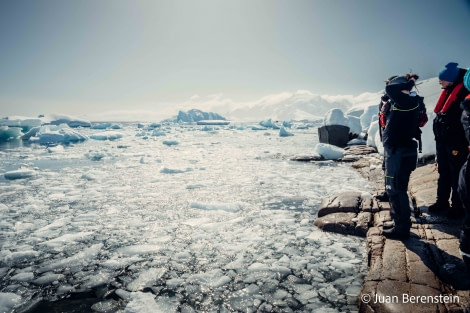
[422,274]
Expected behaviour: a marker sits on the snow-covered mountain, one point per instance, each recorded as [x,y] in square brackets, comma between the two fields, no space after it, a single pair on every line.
[304,105]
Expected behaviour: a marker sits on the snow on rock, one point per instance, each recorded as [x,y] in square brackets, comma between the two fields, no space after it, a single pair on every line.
[370,114]
[371,134]
[335,116]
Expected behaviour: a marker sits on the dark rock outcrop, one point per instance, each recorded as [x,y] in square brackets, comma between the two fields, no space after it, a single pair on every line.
[337,135]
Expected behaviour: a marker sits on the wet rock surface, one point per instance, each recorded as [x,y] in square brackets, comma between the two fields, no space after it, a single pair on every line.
[424,273]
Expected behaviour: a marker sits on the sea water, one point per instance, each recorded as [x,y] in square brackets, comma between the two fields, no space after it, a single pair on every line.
[178,218]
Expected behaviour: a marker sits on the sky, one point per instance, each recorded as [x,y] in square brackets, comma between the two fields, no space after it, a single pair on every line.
[78,57]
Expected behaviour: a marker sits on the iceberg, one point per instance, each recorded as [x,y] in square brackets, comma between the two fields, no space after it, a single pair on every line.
[52,134]
[71,121]
[25,123]
[9,133]
[195,115]
[284,133]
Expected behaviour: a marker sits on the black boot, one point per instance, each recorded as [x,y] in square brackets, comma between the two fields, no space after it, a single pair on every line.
[455,212]
[382,197]
[394,233]
[438,207]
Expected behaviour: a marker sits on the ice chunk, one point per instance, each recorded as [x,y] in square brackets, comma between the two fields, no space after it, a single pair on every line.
[57,134]
[211,279]
[284,133]
[329,152]
[48,278]
[76,261]
[146,278]
[218,206]
[142,303]
[170,142]
[8,133]
[166,170]
[335,116]
[23,277]
[106,125]
[107,135]
[269,124]
[158,133]
[9,301]
[19,174]
[25,123]
[18,257]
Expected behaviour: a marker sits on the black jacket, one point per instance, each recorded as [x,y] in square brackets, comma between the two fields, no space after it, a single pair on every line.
[447,126]
[402,122]
[465,106]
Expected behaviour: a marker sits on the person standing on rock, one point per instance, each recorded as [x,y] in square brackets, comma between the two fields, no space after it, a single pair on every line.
[464,179]
[401,151]
[385,106]
[451,145]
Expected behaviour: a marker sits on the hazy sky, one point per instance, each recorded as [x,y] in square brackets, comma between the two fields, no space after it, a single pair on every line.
[64,56]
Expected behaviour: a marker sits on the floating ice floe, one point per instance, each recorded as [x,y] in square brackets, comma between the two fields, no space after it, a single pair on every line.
[166,170]
[19,174]
[107,135]
[269,124]
[170,142]
[212,122]
[158,133]
[218,206]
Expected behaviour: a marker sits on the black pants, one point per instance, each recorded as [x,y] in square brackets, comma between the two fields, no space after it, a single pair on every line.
[464,193]
[399,163]
[449,162]
[464,184]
